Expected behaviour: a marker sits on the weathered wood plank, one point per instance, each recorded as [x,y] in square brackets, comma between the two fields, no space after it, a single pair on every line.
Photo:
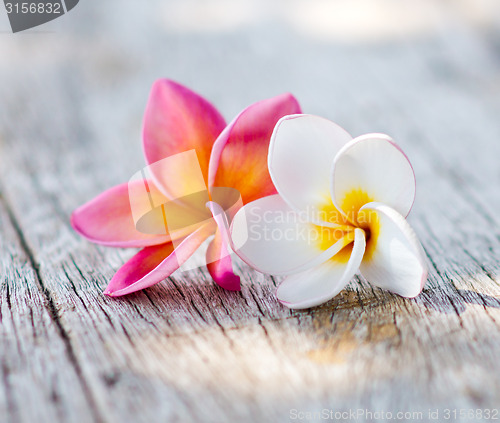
[40,377]
[186,350]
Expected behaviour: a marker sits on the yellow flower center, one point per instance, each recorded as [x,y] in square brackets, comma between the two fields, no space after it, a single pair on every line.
[352,202]
[368,221]
[365,219]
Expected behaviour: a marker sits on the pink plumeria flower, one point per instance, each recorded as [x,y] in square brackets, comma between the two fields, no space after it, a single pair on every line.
[234,156]
[341,207]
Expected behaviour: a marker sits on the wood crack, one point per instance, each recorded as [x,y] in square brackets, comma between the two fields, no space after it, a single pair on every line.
[257,302]
[52,310]
[143,317]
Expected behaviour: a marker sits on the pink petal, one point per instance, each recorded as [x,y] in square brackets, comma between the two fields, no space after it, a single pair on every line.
[181,179]
[239,156]
[154,213]
[394,258]
[219,262]
[228,199]
[220,265]
[178,120]
[154,264]
[107,220]
[320,284]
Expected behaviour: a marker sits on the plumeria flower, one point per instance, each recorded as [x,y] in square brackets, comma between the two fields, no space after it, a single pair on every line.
[229,158]
[341,207]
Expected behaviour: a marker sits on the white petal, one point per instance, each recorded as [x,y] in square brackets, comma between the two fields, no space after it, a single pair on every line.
[318,285]
[271,237]
[301,155]
[394,258]
[373,168]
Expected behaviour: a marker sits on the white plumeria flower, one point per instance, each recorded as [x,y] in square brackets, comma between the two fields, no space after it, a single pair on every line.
[340,208]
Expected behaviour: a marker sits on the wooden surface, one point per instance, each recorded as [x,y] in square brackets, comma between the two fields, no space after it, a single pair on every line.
[72,97]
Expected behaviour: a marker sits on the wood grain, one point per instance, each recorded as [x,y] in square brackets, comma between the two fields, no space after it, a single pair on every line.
[71,105]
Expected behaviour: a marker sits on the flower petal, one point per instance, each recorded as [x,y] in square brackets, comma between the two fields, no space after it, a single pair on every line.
[301,156]
[394,259]
[153,213]
[239,156]
[180,179]
[154,264]
[228,199]
[107,220]
[220,266]
[177,120]
[372,168]
[320,284]
[218,256]
[273,238]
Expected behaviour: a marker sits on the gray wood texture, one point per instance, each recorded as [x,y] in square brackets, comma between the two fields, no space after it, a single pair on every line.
[72,97]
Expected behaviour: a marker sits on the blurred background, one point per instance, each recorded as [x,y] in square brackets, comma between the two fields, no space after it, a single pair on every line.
[352,61]
[341,58]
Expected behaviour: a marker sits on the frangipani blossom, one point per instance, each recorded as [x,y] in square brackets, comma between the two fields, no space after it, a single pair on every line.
[229,158]
[341,207]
